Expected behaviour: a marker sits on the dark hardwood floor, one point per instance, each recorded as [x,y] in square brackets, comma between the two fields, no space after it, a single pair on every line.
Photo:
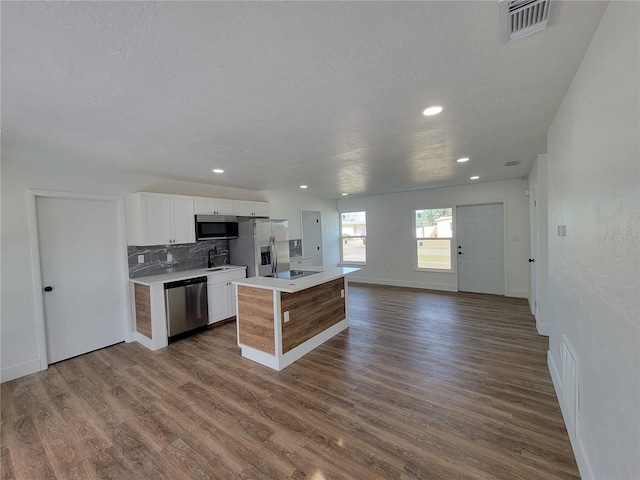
[422,385]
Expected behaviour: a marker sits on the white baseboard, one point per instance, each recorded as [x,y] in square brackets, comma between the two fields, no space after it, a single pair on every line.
[379,281]
[278,362]
[517,293]
[542,328]
[20,370]
[402,283]
[586,473]
[143,340]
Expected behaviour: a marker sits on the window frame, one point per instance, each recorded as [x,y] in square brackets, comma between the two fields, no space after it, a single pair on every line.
[415,240]
[343,237]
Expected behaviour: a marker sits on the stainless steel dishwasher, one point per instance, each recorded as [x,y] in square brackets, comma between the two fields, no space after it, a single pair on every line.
[187,307]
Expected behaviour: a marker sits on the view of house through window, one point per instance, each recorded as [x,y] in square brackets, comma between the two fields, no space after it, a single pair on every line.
[353,237]
[434,232]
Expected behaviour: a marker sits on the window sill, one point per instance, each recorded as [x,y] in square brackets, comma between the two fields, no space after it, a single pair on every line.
[434,270]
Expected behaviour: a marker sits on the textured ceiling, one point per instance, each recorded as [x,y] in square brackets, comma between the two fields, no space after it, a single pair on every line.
[327,94]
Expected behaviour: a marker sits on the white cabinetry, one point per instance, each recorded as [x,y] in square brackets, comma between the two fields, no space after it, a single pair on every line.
[213,206]
[161,219]
[244,208]
[300,263]
[221,295]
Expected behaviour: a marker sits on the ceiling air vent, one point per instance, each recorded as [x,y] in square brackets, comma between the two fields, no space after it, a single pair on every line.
[512,163]
[519,18]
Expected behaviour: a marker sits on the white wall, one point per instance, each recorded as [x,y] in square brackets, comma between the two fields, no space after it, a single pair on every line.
[390,233]
[290,206]
[19,349]
[594,286]
[538,181]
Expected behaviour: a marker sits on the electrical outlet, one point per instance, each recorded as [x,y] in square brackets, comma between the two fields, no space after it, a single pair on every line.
[286,317]
[169,257]
[140,258]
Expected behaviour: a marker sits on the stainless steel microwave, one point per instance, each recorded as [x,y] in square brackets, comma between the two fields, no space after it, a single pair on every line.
[211,227]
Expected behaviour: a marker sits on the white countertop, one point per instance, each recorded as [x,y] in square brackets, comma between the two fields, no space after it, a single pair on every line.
[175,276]
[291,286]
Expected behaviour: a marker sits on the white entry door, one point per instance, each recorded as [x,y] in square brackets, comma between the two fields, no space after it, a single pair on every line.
[84,294]
[312,236]
[480,248]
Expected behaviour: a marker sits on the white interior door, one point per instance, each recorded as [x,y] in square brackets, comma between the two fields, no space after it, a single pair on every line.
[79,260]
[312,236]
[480,248]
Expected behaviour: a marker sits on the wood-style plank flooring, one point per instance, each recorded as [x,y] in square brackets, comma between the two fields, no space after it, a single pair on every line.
[422,385]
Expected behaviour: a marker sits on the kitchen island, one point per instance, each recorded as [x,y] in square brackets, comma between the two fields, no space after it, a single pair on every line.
[281,319]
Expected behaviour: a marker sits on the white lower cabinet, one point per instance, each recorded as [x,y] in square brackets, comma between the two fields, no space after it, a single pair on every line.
[221,295]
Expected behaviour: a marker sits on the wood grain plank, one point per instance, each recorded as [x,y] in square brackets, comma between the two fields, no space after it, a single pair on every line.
[255,318]
[143,309]
[311,312]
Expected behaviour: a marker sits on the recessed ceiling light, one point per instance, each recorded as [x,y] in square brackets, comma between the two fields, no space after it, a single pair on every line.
[303,186]
[218,170]
[475,177]
[345,194]
[436,109]
[463,159]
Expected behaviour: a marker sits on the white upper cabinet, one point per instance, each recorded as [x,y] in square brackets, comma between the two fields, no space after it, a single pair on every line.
[162,219]
[245,208]
[182,216]
[213,206]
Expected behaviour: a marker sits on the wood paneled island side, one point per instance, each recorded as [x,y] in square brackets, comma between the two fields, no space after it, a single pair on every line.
[280,320]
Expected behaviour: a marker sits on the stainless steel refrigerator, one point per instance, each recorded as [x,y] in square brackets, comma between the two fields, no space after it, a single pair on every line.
[262,245]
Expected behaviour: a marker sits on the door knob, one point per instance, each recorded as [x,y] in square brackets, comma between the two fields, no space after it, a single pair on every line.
[532,260]
[48,288]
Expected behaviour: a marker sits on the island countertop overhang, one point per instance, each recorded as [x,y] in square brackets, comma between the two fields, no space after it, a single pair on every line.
[325,274]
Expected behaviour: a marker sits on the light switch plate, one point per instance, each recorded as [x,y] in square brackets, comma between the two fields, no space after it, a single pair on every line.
[286,317]
[562,230]
[140,258]
[342,293]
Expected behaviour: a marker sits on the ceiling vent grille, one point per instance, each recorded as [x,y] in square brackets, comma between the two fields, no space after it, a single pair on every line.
[520,18]
[512,163]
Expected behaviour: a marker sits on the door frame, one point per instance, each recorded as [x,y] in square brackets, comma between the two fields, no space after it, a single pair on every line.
[319,213]
[36,271]
[534,249]
[505,237]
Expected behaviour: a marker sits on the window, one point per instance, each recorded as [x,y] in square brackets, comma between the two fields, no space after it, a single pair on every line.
[353,237]
[434,233]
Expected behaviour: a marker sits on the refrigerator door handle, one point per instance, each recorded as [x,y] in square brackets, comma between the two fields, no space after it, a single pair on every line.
[272,256]
[275,248]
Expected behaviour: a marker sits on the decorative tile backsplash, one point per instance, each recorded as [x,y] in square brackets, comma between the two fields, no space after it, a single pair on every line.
[185,257]
[295,247]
